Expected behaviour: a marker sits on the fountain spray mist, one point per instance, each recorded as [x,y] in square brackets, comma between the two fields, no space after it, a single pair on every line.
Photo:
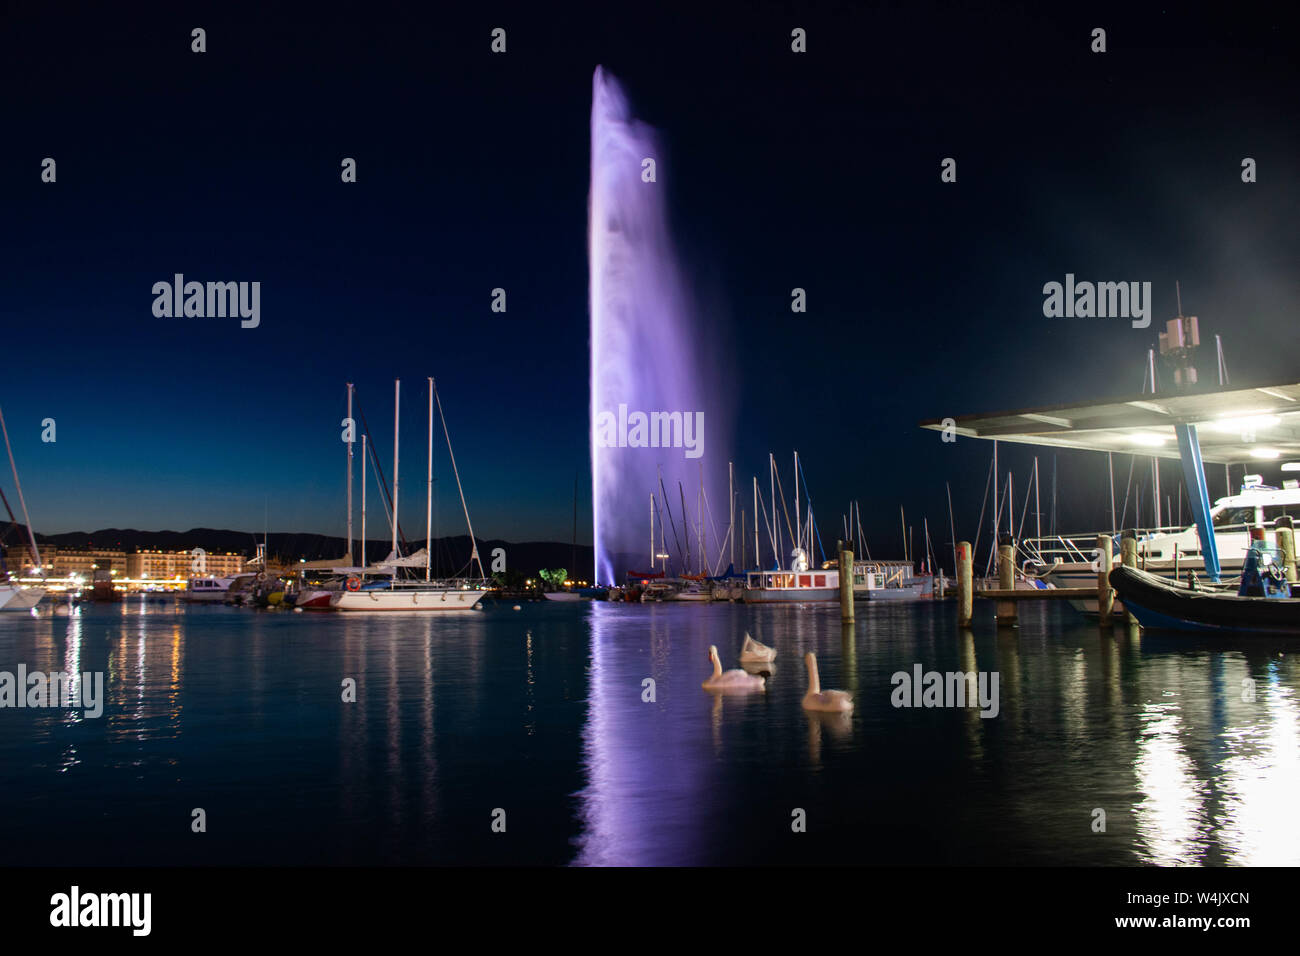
[648,346]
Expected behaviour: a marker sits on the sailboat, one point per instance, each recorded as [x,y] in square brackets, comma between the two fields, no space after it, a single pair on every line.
[318,581]
[397,593]
[13,595]
[802,584]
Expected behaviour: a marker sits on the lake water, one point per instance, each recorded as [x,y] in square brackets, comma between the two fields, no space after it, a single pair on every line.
[539,713]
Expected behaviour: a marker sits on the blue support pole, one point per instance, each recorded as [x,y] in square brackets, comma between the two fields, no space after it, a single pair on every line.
[1189,449]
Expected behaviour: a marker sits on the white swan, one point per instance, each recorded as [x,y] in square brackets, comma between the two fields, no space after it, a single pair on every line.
[755,652]
[734,680]
[824,700]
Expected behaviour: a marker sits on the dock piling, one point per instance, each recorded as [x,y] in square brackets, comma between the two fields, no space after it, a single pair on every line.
[1006,610]
[1105,596]
[1285,533]
[1128,548]
[1128,556]
[846,584]
[965,585]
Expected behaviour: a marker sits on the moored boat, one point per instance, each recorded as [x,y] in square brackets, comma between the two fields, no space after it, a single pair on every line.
[207,590]
[17,598]
[890,581]
[1070,561]
[791,587]
[1161,604]
[13,595]
[1263,603]
[399,593]
[399,596]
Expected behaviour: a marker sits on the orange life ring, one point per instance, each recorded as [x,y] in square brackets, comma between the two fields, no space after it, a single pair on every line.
[354,584]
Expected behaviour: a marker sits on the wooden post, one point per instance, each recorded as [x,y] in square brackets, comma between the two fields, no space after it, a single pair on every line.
[1105,596]
[846,584]
[1286,544]
[1128,556]
[1006,610]
[965,585]
[1128,549]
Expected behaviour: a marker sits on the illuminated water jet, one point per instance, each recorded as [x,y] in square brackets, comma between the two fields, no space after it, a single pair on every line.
[651,410]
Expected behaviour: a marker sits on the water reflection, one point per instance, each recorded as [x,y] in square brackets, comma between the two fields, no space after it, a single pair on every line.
[543,712]
[642,777]
[1260,778]
[1170,815]
[1155,734]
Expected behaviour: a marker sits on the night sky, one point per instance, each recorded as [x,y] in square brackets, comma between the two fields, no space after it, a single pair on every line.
[819,171]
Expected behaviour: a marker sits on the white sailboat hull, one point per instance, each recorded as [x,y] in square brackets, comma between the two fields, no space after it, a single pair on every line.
[407,599]
[19,599]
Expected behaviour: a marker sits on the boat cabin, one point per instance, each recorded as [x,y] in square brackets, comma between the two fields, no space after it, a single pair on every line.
[792,580]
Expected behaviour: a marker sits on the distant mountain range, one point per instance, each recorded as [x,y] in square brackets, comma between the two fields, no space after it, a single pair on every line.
[451,554]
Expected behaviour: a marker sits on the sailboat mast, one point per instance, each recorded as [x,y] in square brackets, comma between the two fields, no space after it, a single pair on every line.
[902,520]
[428,494]
[699,516]
[757,559]
[1155,489]
[351,440]
[1110,470]
[731,525]
[952,527]
[798,518]
[1155,461]
[862,535]
[31,537]
[1011,507]
[652,531]
[363,500]
[397,407]
[663,540]
[686,528]
[771,474]
[925,520]
[997,500]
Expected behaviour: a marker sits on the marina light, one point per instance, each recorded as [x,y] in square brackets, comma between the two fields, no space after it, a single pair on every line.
[1244,424]
[1264,453]
[1147,438]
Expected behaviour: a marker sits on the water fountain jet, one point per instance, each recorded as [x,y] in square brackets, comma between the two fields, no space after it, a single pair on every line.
[647,341]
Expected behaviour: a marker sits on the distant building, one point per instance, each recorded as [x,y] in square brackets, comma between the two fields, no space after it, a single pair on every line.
[169,565]
[63,562]
[140,565]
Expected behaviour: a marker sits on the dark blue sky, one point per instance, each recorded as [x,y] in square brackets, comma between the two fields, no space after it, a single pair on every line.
[819,171]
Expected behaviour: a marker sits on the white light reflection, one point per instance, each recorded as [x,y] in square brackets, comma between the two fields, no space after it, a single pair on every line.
[1260,781]
[1171,818]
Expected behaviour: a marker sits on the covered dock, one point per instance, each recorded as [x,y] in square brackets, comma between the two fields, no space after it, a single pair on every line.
[1231,425]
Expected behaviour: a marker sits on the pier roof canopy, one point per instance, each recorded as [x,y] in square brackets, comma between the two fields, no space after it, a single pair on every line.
[1234,425]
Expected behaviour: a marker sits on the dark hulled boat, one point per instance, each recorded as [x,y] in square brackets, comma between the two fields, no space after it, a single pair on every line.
[1161,604]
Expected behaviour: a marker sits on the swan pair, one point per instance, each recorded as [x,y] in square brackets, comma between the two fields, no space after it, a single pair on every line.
[828,701]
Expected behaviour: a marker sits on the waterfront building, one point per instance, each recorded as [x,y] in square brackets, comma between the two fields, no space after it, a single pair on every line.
[154,565]
[63,562]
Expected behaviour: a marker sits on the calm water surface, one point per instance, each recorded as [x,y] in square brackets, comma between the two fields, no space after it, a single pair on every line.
[540,713]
